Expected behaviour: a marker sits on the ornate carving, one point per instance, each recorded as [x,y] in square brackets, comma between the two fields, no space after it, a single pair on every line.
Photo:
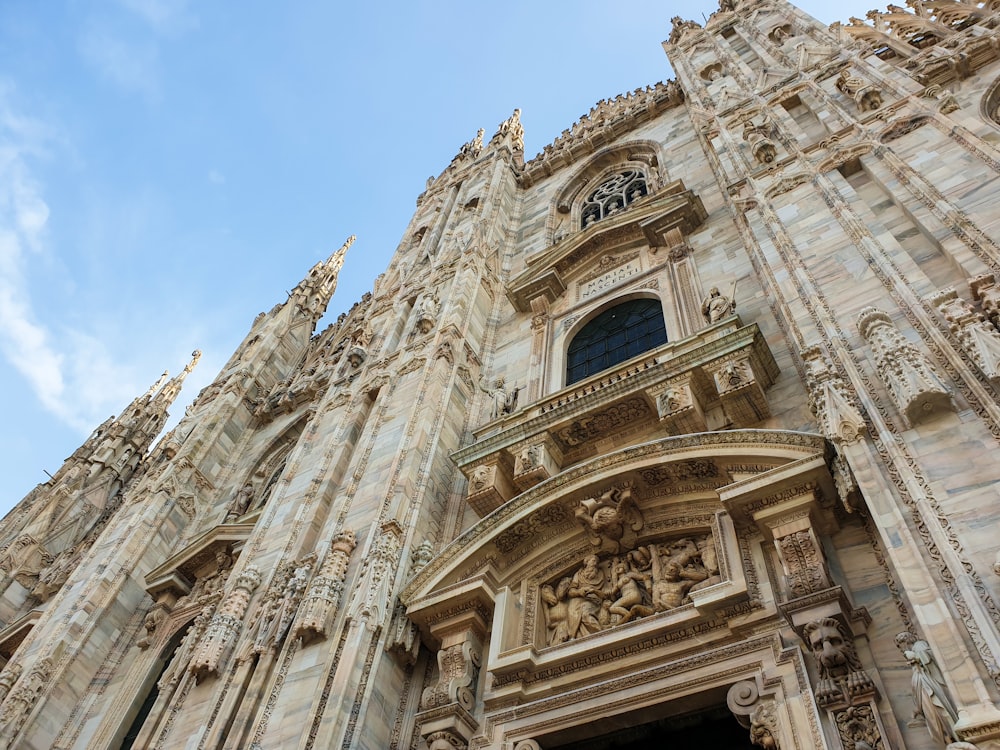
[764,727]
[445,740]
[679,27]
[803,562]
[320,605]
[931,705]
[762,147]
[511,129]
[10,674]
[371,594]
[277,608]
[154,618]
[52,577]
[751,712]
[680,471]
[602,594]
[979,339]
[839,420]
[612,520]
[985,290]
[858,728]
[601,423]
[842,679]
[22,698]
[547,517]
[909,377]
[458,672]
[224,629]
[24,559]
[864,94]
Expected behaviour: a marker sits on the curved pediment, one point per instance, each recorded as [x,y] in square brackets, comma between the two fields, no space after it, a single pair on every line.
[665,477]
[672,207]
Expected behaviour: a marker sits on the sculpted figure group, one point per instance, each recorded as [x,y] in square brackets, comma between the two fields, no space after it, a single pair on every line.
[605,592]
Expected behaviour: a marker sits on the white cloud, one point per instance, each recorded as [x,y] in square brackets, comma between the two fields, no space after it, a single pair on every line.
[129,65]
[164,16]
[216,177]
[70,372]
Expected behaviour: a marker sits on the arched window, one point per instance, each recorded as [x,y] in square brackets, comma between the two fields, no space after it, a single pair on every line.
[612,195]
[615,335]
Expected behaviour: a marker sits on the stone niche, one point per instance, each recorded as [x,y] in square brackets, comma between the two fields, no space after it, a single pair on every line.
[715,379]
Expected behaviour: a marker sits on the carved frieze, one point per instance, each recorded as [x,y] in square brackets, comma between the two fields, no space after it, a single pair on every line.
[601,423]
[605,591]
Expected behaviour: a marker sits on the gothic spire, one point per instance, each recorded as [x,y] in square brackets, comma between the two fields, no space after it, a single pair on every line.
[315,291]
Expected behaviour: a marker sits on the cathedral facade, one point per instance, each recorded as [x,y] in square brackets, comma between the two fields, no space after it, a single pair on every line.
[684,430]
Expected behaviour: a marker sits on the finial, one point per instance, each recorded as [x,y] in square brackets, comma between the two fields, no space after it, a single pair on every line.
[195,356]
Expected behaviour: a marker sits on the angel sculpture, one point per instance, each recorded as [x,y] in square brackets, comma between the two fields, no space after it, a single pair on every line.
[611,520]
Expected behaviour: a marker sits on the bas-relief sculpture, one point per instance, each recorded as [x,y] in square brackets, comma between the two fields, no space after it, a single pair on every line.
[608,590]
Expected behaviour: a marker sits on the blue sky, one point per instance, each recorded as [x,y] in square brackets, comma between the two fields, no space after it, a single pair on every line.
[169,168]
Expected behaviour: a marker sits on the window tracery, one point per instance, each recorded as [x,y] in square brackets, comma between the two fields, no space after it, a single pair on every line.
[613,195]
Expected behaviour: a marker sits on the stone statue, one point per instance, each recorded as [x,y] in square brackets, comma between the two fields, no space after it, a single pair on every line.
[240,502]
[673,578]
[587,599]
[628,574]
[556,611]
[930,701]
[611,520]
[717,306]
[427,309]
[504,400]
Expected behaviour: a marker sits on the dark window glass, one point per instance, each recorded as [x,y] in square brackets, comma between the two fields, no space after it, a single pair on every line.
[613,336]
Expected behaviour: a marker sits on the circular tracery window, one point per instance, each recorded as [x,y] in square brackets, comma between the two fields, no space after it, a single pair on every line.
[612,195]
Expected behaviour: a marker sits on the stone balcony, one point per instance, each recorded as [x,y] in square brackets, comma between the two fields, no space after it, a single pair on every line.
[715,379]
